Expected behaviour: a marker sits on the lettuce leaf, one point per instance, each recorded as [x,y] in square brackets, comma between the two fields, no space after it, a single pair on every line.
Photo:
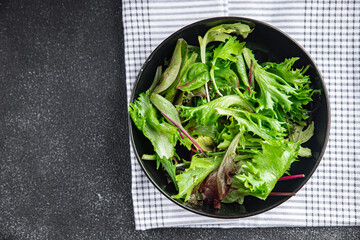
[217,184]
[295,77]
[195,129]
[227,51]
[227,134]
[206,113]
[206,143]
[221,33]
[283,91]
[199,169]
[274,91]
[264,127]
[170,168]
[227,168]
[260,175]
[162,135]
[298,80]
[300,135]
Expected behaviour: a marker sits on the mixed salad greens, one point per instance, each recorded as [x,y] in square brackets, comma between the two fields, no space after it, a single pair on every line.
[242,122]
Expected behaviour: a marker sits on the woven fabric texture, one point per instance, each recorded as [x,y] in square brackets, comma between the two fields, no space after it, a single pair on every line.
[330,32]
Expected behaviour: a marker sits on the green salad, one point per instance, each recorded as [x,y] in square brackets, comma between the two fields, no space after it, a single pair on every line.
[241,121]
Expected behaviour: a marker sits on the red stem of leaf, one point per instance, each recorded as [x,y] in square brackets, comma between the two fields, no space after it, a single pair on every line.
[292,177]
[175,159]
[181,135]
[194,149]
[282,194]
[183,131]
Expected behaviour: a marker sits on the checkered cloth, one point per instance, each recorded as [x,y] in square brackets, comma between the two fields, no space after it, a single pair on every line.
[330,33]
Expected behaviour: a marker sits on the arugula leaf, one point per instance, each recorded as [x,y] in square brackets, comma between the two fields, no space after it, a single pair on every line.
[162,135]
[206,113]
[199,169]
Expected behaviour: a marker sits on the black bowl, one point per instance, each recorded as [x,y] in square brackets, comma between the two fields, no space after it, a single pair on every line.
[268,43]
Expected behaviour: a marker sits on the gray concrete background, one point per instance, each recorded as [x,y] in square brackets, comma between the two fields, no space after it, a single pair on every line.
[64,159]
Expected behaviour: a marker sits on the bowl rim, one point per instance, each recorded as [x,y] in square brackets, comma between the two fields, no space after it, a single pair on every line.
[324,94]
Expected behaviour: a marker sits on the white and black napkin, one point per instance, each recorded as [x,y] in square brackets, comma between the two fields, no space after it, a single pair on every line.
[330,32]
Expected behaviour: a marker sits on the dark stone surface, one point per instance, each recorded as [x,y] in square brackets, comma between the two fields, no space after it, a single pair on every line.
[64,160]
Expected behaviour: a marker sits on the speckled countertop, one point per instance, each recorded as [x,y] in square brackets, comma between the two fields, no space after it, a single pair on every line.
[64,150]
